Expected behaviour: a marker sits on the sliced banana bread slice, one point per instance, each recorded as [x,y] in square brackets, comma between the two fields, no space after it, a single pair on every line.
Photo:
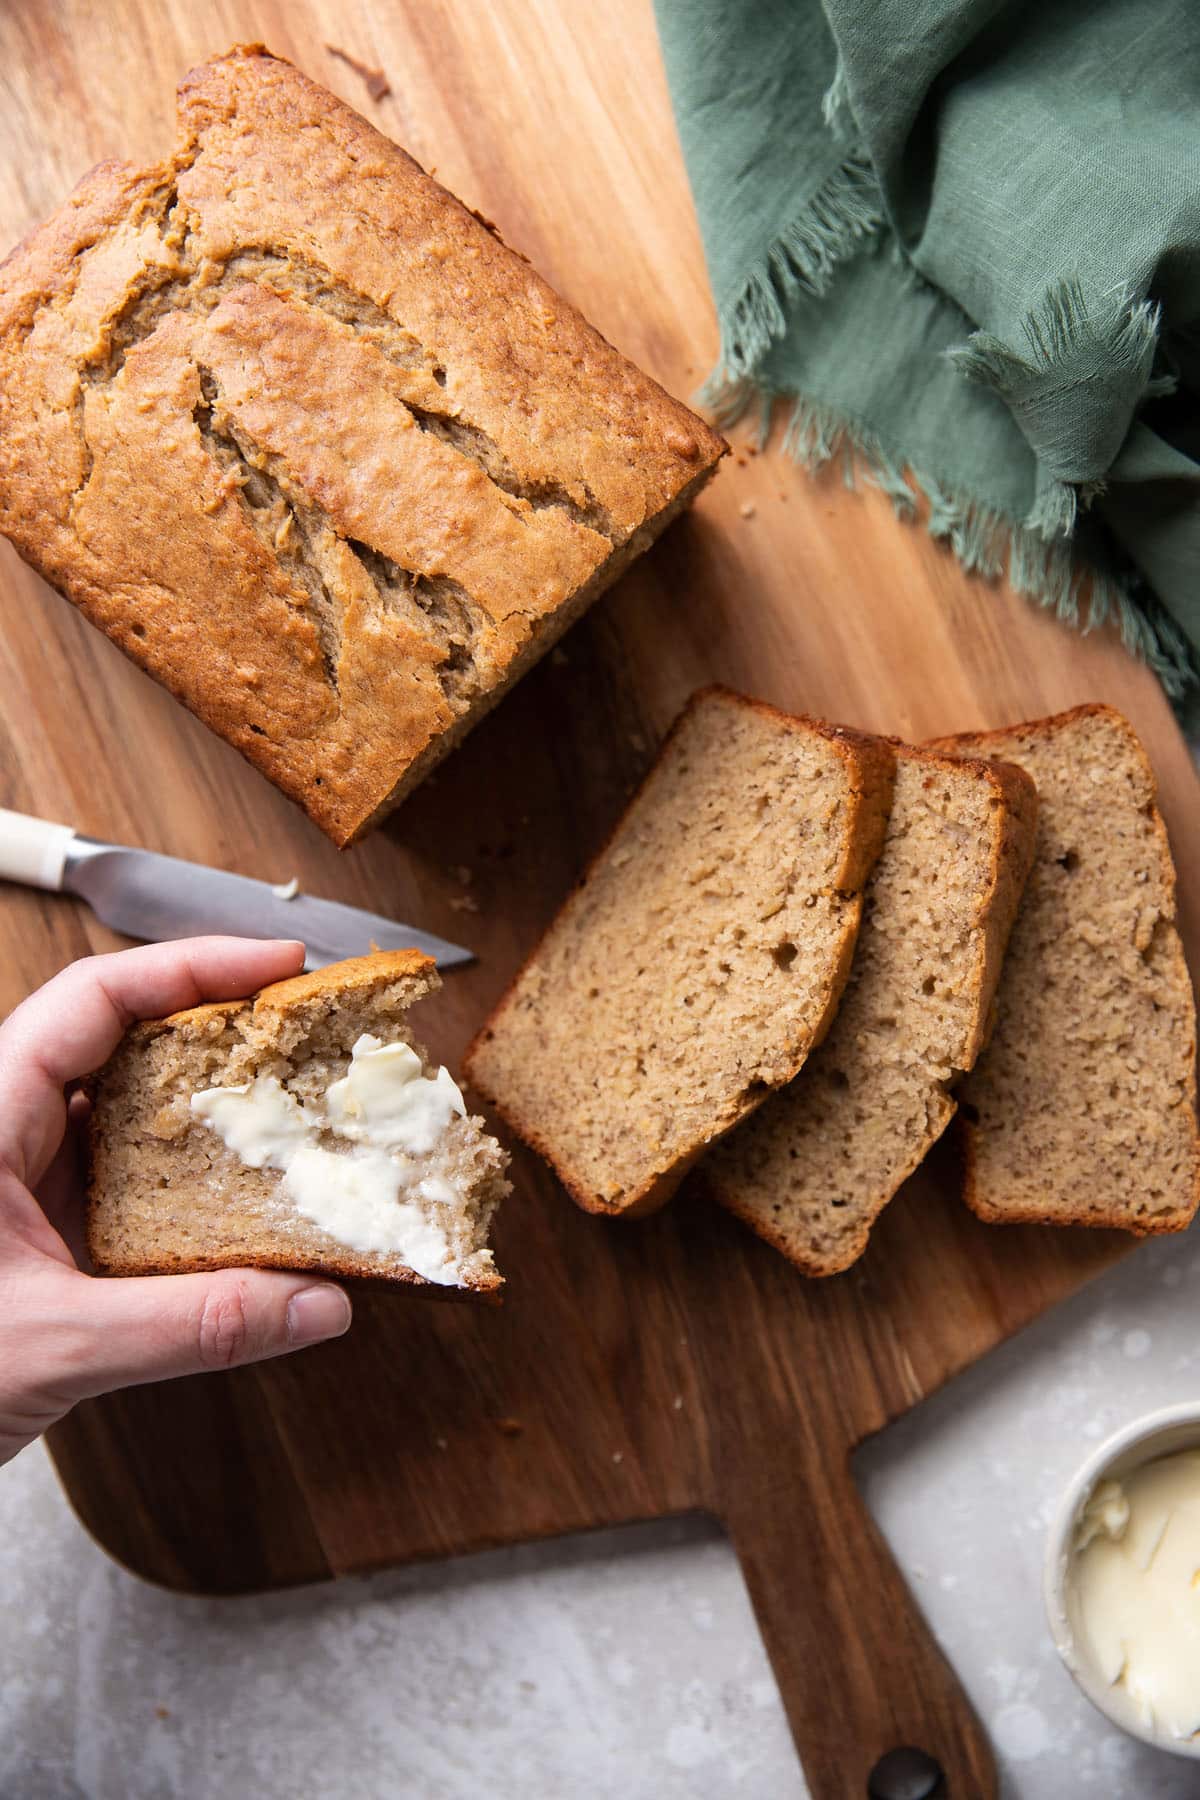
[1082,1110]
[299,1129]
[818,1162]
[700,959]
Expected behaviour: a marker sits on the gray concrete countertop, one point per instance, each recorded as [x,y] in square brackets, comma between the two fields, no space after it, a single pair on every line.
[627,1664]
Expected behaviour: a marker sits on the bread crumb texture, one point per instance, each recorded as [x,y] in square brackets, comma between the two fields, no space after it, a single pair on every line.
[311,444]
[167,1196]
[1082,1110]
[813,1168]
[701,957]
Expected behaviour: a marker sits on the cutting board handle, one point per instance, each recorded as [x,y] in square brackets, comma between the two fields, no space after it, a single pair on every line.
[858,1668]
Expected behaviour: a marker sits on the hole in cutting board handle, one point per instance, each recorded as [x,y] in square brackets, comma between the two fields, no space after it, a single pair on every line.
[906,1774]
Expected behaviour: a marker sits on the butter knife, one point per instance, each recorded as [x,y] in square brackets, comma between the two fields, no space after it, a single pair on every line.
[158,897]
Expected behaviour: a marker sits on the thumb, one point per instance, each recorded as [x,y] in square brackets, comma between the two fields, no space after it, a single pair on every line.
[153,1327]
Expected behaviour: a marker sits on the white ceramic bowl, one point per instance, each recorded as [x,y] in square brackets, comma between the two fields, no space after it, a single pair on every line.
[1154,1434]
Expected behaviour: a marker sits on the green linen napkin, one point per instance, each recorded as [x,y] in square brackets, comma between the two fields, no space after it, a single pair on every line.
[963,238]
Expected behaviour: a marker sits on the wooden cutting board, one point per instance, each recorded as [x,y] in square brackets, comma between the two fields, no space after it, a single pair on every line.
[636,1371]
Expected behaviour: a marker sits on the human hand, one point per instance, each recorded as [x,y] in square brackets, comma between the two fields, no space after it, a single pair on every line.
[64,1334]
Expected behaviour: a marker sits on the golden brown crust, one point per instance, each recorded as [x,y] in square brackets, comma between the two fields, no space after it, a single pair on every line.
[321,454]
[870,763]
[356,975]
[298,1262]
[981,743]
[997,743]
[336,981]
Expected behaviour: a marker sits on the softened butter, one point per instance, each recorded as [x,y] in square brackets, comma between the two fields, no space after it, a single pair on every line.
[369,1192]
[1135,1575]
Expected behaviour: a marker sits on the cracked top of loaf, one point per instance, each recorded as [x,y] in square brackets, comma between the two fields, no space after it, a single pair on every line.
[311,444]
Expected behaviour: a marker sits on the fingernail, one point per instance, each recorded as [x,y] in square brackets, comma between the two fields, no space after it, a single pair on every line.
[317,1313]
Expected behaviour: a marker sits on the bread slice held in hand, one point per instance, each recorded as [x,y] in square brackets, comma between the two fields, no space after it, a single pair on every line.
[298,1129]
[1082,1110]
[816,1165]
[701,957]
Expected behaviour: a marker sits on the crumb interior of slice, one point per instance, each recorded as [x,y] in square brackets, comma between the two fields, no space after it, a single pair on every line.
[821,1158]
[693,968]
[179,1175]
[1085,1097]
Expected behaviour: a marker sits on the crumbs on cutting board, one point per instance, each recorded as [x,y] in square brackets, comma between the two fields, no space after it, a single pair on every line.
[464,878]
[286,890]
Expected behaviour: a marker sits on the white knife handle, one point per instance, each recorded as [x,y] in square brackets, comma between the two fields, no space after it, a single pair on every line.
[33,851]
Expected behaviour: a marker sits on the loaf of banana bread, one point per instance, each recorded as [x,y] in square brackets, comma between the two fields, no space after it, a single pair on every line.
[311,444]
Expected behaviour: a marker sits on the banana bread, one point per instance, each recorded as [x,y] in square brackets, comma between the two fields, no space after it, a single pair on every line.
[816,1165]
[311,444]
[702,956]
[1082,1109]
[296,1130]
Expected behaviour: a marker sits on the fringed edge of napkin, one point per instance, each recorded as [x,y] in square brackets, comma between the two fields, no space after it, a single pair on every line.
[985,542]
[1040,561]
[1105,357]
[835,221]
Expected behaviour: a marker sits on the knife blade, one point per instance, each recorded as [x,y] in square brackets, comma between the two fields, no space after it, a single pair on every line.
[146,895]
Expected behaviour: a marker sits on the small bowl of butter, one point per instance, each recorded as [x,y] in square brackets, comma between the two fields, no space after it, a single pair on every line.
[1122,1579]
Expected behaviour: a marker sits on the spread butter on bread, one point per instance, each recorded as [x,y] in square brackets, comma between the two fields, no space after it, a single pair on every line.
[298,1129]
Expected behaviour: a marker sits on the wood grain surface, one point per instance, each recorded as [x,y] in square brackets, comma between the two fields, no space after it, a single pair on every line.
[635,1371]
